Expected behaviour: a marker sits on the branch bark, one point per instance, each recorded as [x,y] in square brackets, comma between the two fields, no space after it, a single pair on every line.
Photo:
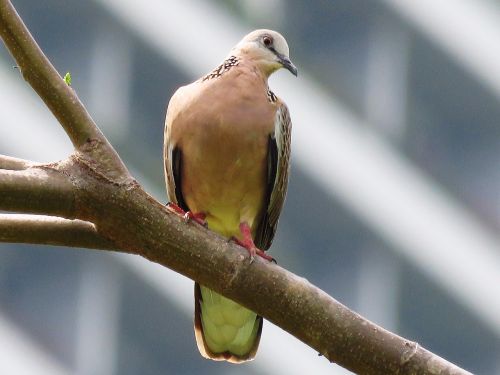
[94,186]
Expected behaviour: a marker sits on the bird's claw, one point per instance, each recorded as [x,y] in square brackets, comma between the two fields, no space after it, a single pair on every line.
[247,243]
[198,217]
[262,254]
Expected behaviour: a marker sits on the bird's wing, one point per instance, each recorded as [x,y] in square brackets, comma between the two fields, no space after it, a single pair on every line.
[278,166]
[172,158]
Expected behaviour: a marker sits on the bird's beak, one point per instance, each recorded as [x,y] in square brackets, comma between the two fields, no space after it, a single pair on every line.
[287,64]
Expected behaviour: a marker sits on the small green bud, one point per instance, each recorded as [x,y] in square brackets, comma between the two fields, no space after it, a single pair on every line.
[67,78]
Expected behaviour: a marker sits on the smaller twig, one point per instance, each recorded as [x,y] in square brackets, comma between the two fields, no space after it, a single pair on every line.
[41,189]
[14,164]
[49,230]
[42,75]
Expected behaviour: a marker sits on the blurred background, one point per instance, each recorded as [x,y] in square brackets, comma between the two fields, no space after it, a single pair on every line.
[393,205]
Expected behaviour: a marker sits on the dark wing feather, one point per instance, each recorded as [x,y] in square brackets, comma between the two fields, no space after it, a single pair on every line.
[278,166]
[172,157]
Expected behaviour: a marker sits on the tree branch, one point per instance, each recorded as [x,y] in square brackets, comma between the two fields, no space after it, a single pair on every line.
[14,164]
[93,185]
[138,224]
[47,230]
[90,143]
[38,190]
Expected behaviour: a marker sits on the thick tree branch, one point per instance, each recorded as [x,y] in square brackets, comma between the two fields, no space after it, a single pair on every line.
[94,186]
[138,224]
[37,190]
[89,142]
[47,230]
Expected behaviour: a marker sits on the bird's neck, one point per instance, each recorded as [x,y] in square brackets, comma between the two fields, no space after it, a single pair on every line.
[261,66]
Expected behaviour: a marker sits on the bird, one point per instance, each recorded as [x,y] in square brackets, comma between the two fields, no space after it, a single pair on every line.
[226,159]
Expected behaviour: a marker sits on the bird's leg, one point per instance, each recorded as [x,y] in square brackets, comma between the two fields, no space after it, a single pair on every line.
[247,243]
[198,217]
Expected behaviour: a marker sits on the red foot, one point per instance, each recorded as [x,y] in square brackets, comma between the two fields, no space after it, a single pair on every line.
[174,207]
[247,243]
[198,217]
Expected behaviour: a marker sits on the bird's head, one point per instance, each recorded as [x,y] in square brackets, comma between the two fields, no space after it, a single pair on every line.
[268,49]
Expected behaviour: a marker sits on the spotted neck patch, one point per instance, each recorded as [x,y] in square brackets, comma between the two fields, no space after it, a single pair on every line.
[222,68]
[271,96]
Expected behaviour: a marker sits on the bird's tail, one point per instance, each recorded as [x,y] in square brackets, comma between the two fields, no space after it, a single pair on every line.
[224,330]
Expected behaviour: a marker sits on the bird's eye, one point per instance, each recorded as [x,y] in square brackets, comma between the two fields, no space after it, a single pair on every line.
[267,40]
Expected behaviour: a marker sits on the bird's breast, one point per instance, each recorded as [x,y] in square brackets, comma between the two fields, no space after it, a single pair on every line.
[224,175]
[223,133]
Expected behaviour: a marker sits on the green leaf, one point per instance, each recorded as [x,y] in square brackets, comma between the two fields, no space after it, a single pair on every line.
[67,78]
